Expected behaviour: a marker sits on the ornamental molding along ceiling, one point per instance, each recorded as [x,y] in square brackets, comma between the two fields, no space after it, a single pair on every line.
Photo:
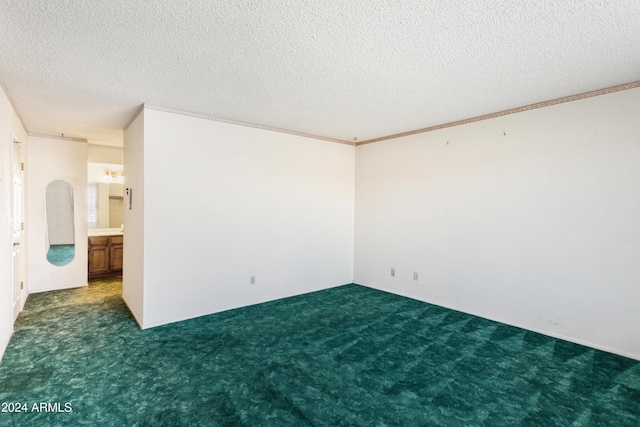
[577,97]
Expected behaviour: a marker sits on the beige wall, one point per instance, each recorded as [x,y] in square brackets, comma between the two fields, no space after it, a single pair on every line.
[104,154]
[116,206]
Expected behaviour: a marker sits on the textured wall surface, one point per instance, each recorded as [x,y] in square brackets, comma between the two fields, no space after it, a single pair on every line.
[346,70]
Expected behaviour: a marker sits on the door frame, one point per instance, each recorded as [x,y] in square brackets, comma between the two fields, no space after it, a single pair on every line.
[17,232]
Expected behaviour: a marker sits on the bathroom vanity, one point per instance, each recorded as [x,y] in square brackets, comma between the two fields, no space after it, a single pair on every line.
[105,252]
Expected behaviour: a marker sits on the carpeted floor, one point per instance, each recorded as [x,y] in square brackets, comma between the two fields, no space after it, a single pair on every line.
[345,356]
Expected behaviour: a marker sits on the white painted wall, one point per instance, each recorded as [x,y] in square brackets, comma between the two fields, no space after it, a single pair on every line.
[225,202]
[103,205]
[9,125]
[116,205]
[51,159]
[104,154]
[100,159]
[133,267]
[538,228]
[110,211]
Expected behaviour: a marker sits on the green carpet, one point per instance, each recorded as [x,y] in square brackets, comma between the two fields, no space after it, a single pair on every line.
[61,254]
[344,356]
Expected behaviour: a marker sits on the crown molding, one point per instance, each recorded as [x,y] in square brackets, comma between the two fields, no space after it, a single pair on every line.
[60,137]
[562,100]
[543,104]
[245,124]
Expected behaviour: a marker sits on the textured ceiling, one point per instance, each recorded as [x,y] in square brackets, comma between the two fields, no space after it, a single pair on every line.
[339,69]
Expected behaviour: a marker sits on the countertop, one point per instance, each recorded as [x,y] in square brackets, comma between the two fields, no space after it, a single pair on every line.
[95,232]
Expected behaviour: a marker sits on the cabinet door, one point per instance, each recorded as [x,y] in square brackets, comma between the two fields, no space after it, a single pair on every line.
[98,259]
[98,255]
[115,256]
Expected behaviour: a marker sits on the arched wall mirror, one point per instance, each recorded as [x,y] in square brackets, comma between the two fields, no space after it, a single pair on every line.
[60,236]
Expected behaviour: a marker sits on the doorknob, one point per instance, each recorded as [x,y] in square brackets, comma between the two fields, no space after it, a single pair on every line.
[16,243]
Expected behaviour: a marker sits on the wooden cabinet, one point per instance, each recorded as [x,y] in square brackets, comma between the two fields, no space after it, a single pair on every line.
[98,256]
[105,256]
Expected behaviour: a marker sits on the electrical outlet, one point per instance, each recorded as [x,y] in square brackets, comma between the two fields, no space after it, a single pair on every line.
[393,271]
[252,280]
[415,275]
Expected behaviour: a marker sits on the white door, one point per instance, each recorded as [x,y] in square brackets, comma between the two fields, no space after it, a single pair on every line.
[17,197]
